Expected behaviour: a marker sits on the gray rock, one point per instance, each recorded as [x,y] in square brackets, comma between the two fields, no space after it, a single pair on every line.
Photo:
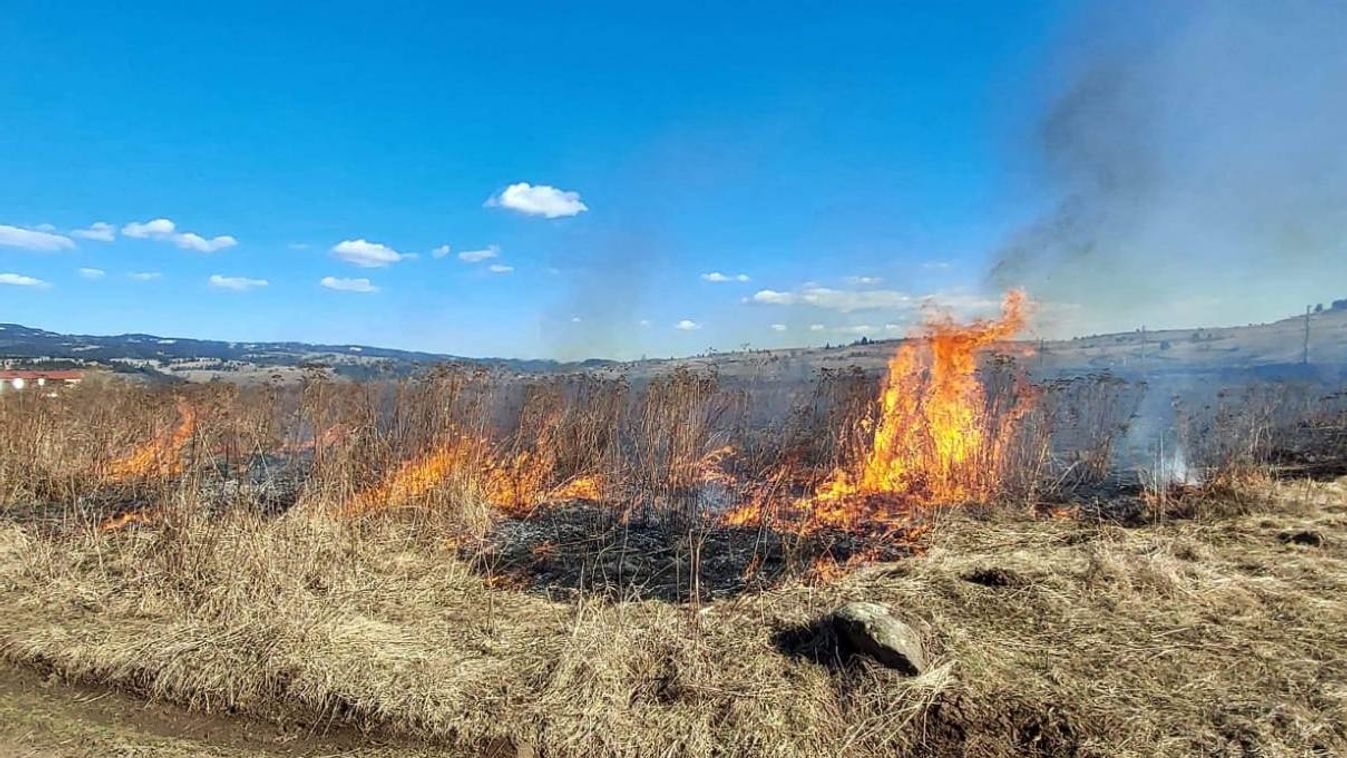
[872,630]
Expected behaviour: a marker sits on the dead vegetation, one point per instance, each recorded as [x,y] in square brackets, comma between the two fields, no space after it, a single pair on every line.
[562,562]
[1049,637]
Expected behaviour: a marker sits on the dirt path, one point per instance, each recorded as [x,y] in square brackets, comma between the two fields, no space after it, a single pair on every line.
[42,717]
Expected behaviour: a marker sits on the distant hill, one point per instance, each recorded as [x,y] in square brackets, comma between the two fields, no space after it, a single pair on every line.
[1258,348]
[1274,349]
[194,359]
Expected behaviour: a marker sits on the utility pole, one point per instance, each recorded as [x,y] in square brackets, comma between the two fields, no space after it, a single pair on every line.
[1143,349]
[1305,353]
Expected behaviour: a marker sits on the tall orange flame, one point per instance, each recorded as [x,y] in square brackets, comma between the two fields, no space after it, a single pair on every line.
[934,439]
[160,457]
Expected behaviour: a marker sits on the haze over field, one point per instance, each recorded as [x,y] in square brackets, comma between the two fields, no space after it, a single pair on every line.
[615,182]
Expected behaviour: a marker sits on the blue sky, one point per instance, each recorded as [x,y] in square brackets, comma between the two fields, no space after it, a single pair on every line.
[846,161]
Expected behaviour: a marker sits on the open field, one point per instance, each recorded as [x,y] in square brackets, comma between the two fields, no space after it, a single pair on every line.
[1047,636]
[480,562]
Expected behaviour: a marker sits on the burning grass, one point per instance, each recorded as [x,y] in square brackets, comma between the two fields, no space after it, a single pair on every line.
[626,566]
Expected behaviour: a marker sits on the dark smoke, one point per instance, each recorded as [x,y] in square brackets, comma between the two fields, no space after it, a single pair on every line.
[1198,160]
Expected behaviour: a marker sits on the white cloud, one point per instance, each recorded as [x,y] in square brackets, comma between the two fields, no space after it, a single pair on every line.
[716,276]
[164,230]
[500,268]
[366,254]
[645,322]
[864,281]
[936,265]
[959,301]
[236,283]
[146,276]
[190,241]
[19,280]
[348,285]
[541,200]
[440,252]
[860,329]
[158,229]
[101,231]
[772,297]
[687,325]
[477,256]
[816,327]
[575,319]
[778,327]
[29,239]
[845,301]
[92,273]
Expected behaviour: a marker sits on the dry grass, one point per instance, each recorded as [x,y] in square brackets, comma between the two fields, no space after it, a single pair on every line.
[1218,633]
[1049,637]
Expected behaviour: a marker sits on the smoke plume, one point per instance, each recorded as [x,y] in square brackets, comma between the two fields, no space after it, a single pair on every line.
[1197,163]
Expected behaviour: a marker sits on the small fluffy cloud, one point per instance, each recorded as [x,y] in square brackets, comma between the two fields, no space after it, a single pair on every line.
[477,256]
[19,280]
[32,239]
[778,327]
[100,231]
[687,325]
[92,273]
[773,297]
[164,230]
[190,241]
[236,283]
[716,276]
[348,285]
[440,252]
[500,268]
[145,276]
[540,200]
[816,327]
[366,254]
[158,229]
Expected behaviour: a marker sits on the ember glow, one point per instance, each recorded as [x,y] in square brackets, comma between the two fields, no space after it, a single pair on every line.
[129,518]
